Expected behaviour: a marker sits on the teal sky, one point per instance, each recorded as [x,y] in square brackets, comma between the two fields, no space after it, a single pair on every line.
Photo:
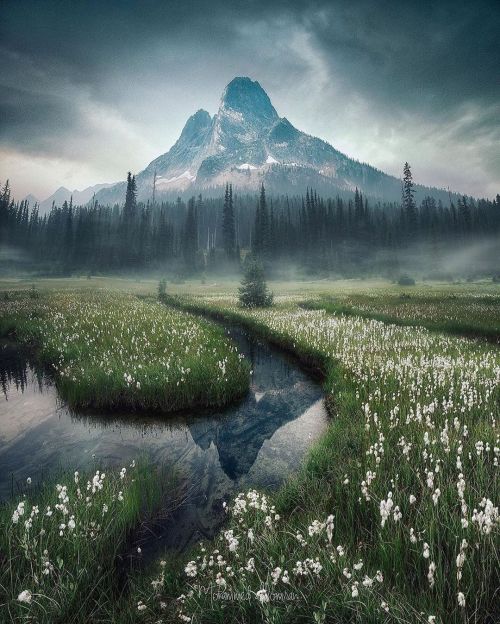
[93,89]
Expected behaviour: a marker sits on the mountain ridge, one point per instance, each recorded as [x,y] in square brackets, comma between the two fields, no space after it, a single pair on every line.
[63,194]
[246,143]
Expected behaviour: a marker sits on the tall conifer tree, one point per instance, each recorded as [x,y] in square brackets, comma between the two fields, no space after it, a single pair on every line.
[228,224]
[408,204]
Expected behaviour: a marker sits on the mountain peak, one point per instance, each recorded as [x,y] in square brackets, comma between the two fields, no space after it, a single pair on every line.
[201,116]
[201,120]
[242,83]
[247,143]
[31,199]
[246,96]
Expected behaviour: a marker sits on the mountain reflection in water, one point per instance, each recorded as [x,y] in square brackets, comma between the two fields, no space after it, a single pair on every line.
[258,442]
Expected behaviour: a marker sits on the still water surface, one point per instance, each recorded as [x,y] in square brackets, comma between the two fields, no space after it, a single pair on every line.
[257,443]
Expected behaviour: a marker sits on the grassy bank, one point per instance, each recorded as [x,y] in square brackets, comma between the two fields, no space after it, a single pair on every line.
[59,547]
[394,516]
[222,285]
[469,314]
[110,350]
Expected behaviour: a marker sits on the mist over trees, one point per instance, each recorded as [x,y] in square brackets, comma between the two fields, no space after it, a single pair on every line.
[317,235]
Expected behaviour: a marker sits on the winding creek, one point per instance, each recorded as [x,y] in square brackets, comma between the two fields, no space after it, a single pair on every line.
[257,443]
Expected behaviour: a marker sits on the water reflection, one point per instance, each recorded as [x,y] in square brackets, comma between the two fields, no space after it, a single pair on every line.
[256,443]
[14,366]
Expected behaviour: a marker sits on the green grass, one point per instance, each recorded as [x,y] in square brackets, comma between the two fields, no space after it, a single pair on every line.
[404,402]
[61,545]
[470,314]
[110,350]
[388,388]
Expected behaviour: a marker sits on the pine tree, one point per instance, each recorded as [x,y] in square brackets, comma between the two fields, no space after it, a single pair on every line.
[271,240]
[129,243]
[464,215]
[408,203]
[228,224]
[68,234]
[358,207]
[5,213]
[130,207]
[190,239]
[261,228]
[253,291]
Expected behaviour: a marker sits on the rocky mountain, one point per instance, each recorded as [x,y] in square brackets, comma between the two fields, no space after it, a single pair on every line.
[31,199]
[80,198]
[247,143]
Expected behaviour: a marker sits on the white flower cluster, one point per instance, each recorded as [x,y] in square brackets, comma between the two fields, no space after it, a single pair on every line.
[69,526]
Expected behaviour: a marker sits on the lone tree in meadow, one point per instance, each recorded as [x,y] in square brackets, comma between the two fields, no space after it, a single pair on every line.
[162,289]
[253,292]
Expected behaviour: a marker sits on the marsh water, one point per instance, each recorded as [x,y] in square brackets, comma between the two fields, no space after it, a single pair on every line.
[257,442]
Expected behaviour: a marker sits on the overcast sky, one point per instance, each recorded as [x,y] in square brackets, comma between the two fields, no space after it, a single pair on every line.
[90,89]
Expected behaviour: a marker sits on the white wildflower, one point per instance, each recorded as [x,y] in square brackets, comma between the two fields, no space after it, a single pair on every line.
[25,596]
[191,569]
[141,606]
[262,595]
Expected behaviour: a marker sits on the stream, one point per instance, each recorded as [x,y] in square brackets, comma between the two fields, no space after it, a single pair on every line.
[256,443]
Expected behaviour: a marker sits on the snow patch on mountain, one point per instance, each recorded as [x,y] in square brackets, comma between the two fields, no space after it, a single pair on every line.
[246,167]
[187,175]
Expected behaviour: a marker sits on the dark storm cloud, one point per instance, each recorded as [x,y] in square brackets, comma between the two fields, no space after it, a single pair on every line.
[419,54]
[83,70]
[124,55]
[35,123]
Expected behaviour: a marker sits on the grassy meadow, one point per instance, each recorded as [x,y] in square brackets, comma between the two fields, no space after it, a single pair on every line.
[226,286]
[467,313]
[392,518]
[61,545]
[111,350]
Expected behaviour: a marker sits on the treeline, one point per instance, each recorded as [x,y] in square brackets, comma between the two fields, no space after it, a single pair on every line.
[344,236]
